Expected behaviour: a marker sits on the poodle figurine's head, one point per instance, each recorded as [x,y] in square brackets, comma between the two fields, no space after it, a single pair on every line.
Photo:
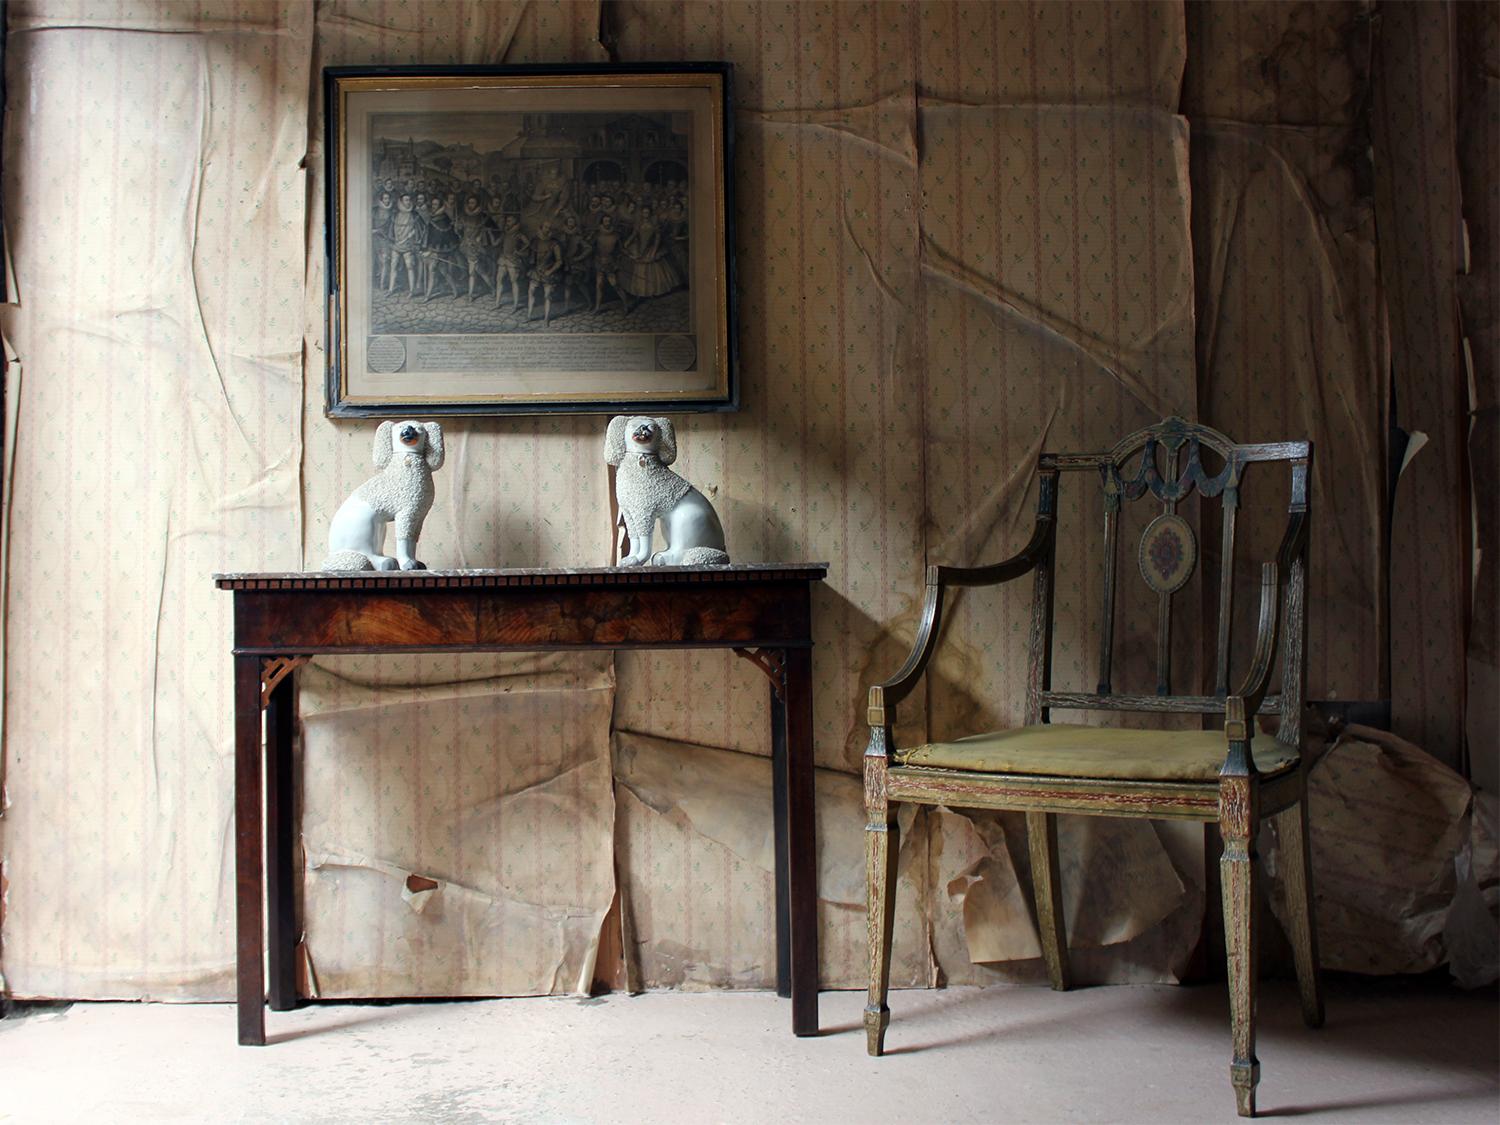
[640,436]
[422,438]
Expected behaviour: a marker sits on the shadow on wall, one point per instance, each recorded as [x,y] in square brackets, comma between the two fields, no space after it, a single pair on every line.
[886,649]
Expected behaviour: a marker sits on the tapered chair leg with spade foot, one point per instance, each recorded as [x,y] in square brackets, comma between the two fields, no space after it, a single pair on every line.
[1237,873]
[882,843]
[882,846]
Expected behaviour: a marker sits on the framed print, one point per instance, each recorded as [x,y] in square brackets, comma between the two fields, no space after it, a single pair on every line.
[526,240]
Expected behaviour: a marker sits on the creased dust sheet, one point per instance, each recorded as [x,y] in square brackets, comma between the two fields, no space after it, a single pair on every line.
[457,824]
[1404,862]
[1419,218]
[1291,333]
[1478,37]
[696,868]
[1055,312]
[486,776]
[925,312]
[155,215]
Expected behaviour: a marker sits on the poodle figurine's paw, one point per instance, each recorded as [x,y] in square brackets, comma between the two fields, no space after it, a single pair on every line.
[631,560]
[413,564]
[385,562]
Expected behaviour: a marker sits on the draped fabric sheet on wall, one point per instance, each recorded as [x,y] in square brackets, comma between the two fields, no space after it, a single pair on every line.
[965,232]
[155,216]
[1290,333]
[1421,251]
[1478,35]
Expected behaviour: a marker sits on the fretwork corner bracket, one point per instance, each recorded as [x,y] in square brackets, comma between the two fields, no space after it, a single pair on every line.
[771,661]
[274,669]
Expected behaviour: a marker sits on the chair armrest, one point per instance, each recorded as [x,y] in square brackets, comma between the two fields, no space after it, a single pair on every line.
[1240,708]
[885,695]
[996,573]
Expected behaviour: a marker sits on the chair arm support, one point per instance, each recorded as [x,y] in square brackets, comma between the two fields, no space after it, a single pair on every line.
[1240,708]
[891,691]
[885,695]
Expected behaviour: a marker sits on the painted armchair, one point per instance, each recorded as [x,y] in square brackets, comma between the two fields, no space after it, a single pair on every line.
[1233,776]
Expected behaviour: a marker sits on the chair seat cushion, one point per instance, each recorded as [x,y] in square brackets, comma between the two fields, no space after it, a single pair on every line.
[1073,750]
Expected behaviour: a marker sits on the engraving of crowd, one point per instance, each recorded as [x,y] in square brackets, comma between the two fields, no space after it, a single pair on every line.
[438,237]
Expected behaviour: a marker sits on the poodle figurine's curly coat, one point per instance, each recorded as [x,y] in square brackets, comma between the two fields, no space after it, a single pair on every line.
[407,455]
[648,491]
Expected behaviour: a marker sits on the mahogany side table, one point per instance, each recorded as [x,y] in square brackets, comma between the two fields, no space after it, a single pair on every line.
[762,612]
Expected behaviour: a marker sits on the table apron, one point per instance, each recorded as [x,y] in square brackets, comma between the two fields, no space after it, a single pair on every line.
[521,619]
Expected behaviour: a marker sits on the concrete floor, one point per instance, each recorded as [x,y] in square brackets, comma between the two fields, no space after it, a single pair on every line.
[1399,1051]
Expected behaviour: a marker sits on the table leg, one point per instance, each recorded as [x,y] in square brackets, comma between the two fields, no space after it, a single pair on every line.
[802,842]
[778,812]
[281,835]
[249,873]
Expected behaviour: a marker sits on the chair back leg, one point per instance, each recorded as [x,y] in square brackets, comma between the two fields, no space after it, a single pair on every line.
[1046,881]
[1292,837]
[1238,822]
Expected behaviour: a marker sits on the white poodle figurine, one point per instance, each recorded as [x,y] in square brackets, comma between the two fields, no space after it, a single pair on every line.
[407,455]
[648,491]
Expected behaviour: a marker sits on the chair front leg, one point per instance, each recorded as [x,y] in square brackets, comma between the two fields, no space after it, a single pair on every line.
[882,847]
[1046,880]
[1292,834]
[1238,821]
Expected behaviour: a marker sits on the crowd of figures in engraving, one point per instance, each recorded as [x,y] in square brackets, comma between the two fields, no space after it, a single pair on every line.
[579,222]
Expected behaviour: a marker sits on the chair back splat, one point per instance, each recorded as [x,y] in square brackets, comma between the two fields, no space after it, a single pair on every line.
[1163,464]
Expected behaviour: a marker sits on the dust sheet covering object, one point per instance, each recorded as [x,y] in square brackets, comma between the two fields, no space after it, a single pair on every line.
[1404,862]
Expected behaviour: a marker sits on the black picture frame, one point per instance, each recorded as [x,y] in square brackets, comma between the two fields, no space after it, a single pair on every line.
[549,164]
